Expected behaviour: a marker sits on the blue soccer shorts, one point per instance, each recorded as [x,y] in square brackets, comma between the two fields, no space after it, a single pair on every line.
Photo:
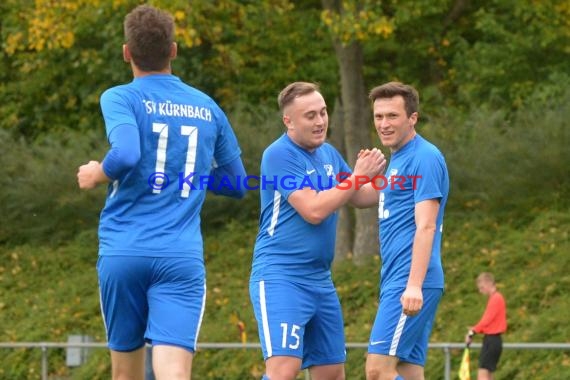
[151,299]
[300,320]
[395,334]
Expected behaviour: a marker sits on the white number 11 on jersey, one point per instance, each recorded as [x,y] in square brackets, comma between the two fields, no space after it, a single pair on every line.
[192,133]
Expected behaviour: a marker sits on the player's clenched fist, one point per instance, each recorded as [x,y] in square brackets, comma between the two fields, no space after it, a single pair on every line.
[90,175]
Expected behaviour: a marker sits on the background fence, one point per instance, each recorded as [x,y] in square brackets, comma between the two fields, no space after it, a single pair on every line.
[445,347]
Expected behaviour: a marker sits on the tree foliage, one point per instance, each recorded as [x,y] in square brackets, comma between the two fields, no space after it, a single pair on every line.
[351,21]
[513,48]
[248,51]
[474,53]
[58,56]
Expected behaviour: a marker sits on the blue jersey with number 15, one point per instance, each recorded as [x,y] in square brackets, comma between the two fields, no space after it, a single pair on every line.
[153,209]
[288,247]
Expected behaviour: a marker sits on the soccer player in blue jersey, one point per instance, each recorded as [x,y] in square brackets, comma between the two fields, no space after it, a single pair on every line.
[410,211]
[164,136]
[304,182]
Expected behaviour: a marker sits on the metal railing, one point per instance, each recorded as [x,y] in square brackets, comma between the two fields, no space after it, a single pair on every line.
[446,347]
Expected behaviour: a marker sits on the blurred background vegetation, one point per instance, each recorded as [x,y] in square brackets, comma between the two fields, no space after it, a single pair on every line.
[494,78]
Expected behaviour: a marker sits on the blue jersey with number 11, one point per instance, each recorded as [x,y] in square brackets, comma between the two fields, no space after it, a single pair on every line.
[153,209]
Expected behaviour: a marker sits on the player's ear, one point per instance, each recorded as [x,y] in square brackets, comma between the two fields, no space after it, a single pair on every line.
[173,50]
[288,123]
[414,118]
[126,53]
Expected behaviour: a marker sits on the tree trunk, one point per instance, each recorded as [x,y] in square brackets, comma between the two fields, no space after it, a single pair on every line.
[356,110]
[357,132]
[344,229]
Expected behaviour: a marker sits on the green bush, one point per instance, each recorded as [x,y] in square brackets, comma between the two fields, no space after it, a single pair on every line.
[511,165]
[40,200]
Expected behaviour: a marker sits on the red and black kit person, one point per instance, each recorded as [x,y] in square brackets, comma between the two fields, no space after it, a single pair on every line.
[492,324]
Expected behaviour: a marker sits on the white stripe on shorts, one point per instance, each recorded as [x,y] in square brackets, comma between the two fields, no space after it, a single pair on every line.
[397,335]
[103,313]
[201,317]
[264,320]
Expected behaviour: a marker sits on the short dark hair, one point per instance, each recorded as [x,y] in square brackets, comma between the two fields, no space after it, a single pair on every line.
[486,276]
[149,34]
[294,90]
[391,89]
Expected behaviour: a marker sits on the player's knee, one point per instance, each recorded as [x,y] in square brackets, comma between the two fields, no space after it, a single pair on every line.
[374,373]
[284,374]
[330,376]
